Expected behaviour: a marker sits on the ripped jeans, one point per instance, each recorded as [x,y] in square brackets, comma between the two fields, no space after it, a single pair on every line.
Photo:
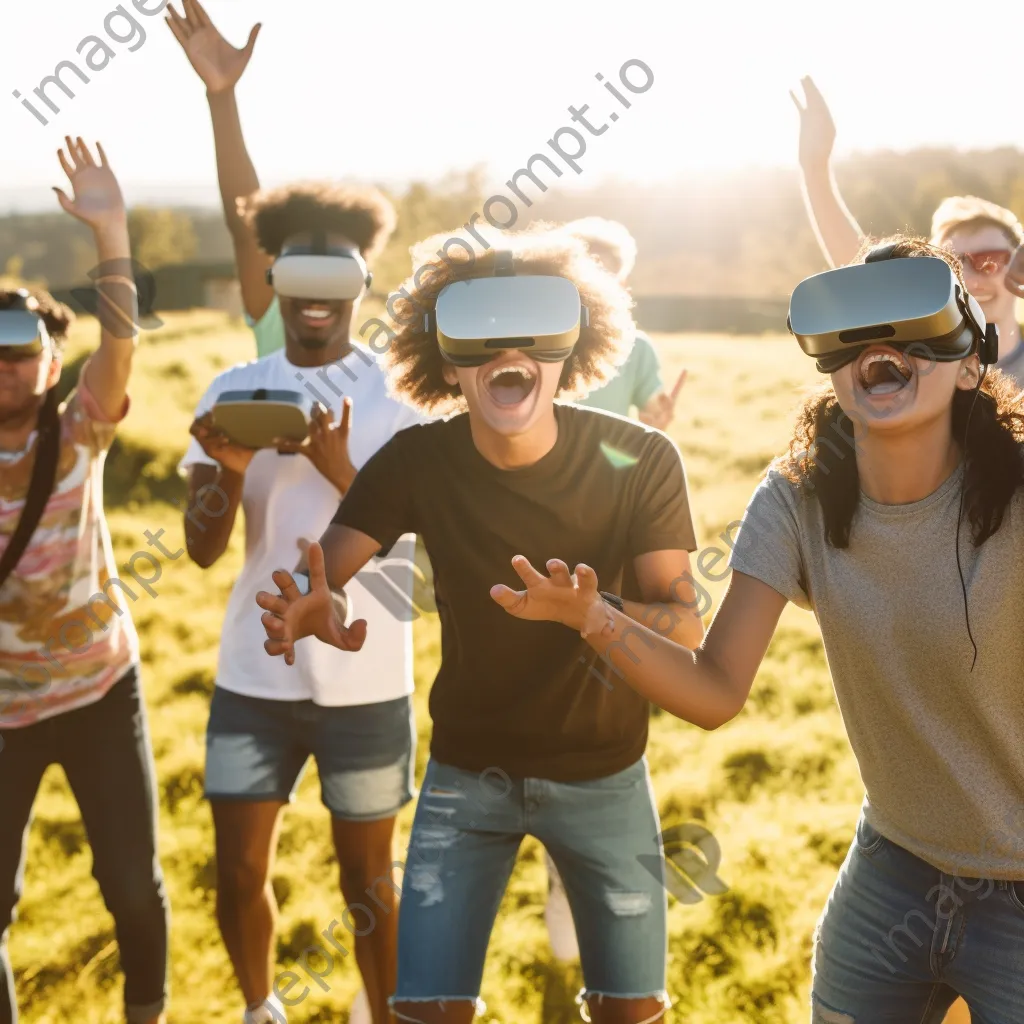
[899,940]
[603,836]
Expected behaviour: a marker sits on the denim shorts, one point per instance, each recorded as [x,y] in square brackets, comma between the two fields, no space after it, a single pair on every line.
[603,836]
[257,749]
[899,940]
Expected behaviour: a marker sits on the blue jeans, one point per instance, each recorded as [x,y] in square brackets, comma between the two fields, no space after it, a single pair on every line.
[899,940]
[603,836]
[257,749]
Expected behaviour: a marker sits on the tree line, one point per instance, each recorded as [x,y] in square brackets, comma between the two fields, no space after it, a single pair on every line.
[741,233]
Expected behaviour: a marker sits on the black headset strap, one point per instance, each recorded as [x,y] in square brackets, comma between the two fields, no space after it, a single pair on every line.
[44,475]
[503,264]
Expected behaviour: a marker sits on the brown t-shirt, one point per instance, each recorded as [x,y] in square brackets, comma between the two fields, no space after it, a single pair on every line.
[512,694]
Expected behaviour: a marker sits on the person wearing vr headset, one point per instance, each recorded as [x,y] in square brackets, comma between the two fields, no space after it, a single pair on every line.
[637,383]
[530,735]
[301,254]
[986,238]
[897,517]
[354,716]
[220,66]
[69,655]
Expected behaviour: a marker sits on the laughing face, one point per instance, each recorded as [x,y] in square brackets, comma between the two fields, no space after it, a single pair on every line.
[989,288]
[509,394]
[314,323]
[886,389]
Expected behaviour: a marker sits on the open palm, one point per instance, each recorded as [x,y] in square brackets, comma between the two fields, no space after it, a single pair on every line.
[560,597]
[290,615]
[817,129]
[97,196]
[216,61]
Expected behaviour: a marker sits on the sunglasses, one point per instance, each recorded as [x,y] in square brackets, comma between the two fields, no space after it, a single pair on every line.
[987,262]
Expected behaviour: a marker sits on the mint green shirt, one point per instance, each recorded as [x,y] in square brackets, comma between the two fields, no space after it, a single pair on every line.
[636,383]
[269,330]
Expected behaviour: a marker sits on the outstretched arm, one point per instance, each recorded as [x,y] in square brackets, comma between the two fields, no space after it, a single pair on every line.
[838,234]
[707,686]
[98,202]
[220,66]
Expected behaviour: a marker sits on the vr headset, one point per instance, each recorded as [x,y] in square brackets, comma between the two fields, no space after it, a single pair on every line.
[23,334]
[254,419]
[319,271]
[476,319]
[912,303]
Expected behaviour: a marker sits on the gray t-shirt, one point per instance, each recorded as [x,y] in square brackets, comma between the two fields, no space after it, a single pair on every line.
[940,748]
[1013,364]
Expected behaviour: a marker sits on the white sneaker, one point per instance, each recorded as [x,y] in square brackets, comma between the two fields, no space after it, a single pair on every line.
[558,918]
[360,1012]
[270,1011]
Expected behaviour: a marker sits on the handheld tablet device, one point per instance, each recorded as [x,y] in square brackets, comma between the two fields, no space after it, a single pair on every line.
[254,419]
[914,303]
[23,334]
[475,319]
[319,271]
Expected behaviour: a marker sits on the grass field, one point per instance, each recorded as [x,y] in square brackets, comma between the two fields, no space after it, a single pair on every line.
[778,787]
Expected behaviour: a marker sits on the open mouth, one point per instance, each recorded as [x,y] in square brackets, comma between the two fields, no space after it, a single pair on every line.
[316,314]
[882,372]
[510,383]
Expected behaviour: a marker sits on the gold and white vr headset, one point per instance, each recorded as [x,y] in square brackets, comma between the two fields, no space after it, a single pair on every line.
[319,271]
[23,334]
[476,319]
[912,303]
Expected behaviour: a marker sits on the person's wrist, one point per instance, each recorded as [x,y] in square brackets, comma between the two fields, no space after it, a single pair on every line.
[225,92]
[112,232]
[592,617]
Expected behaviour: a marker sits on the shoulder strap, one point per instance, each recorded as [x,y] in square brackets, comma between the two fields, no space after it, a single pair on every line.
[44,475]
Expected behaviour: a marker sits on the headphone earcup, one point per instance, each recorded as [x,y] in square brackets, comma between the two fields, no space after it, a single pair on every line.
[990,346]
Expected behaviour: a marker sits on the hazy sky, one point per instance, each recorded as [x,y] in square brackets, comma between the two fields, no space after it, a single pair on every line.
[340,88]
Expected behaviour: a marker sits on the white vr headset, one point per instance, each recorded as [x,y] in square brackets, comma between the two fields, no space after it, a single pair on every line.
[23,333]
[319,272]
[476,319]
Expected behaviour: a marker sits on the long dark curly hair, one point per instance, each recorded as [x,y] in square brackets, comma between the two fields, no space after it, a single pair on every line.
[819,461]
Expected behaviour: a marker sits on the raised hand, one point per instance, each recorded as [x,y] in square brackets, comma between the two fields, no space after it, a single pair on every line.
[97,196]
[572,600]
[660,411]
[1014,279]
[215,60]
[219,446]
[327,445]
[817,129]
[290,615]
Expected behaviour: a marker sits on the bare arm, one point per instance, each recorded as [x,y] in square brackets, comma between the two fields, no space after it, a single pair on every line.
[670,602]
[214,494]
[707,686]
[838,233]
[220,66]
[98,202]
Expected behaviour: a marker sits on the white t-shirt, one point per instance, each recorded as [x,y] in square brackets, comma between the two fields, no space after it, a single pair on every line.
[285,499]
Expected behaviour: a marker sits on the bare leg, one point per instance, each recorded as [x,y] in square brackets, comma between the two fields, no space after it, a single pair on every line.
[610,1010]
[246,909]
[365,859]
